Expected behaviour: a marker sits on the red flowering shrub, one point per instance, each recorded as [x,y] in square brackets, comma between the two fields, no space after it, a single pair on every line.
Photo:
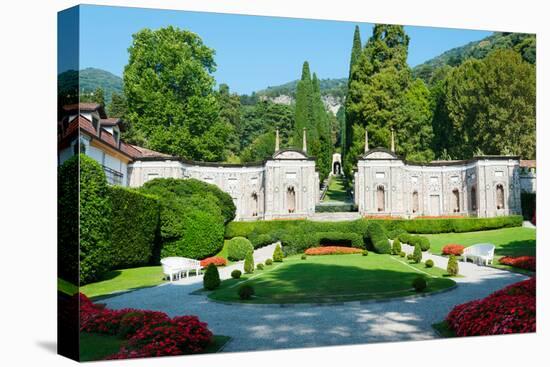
[452,249]
[522,262]
[216,260]
[133,321]
[332,250]
[507,311]
[150,333]
[180,335]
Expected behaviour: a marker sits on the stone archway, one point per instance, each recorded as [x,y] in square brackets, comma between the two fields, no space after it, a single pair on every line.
[336,168]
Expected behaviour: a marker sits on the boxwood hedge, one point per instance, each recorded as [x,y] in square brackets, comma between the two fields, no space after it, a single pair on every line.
[238,248]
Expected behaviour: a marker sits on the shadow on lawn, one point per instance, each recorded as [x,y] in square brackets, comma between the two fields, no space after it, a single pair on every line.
[517,248]
[264,327]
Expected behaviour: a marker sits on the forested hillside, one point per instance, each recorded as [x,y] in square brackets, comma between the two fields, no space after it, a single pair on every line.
[471,100]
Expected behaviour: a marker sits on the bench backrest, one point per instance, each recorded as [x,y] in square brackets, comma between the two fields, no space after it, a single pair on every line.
[179,262]
[484,249]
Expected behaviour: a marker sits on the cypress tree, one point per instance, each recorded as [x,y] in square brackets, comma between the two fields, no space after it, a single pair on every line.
[356,49]
[303,111]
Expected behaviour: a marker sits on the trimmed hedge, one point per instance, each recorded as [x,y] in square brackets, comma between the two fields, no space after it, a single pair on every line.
[191,220]
[134,224]
[378,239]
[340,238]
[67,223]
[237,248]
[95,217]
[528,205]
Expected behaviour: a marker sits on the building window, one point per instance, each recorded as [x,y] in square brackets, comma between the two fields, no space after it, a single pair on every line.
[291,199]
[500,196]
[415,202]
[381,198]
[95,122]
[456,201]
[116,135]
[473,198]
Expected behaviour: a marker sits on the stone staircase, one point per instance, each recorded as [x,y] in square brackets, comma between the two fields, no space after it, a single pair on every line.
[337,216]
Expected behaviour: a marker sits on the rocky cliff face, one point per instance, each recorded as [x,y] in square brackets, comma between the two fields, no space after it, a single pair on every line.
[332,103]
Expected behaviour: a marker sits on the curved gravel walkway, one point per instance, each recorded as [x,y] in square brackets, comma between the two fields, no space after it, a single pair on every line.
[262,327]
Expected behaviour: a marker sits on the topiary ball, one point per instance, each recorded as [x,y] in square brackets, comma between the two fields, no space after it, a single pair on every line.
[269,262]
[409,256]
[238,247]
[260,266]
[429,263]
[419,284]
[365,252]
[304,257]
[245,292]
[402,254]
[236,274]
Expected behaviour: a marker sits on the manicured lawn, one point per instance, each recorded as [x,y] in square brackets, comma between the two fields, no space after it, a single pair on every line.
[66,287]
[336,190]
[516,241]
[94,347]
[223,253]
[124,280]
[333,278]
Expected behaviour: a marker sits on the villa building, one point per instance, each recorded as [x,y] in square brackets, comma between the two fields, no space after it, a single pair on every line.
[286,185]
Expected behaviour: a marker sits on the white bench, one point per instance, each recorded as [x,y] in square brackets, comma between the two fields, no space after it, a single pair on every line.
[479,253]
[174,267]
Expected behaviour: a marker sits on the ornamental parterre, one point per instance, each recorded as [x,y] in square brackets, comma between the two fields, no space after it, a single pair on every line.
[508,311]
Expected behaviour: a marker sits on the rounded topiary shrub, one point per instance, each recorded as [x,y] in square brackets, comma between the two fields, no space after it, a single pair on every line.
[238,247]
[269,262]
[304,257]
[249,263]
[417,254]
[452,266]
[245,292]
[429,263]
[278,254]
[260,266]
[419,284]
[236,274]
[365,252]
[396,247]
[211,279]
[402,254]
[409,256]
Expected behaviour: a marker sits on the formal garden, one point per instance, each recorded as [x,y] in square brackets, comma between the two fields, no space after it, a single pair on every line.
[124,233]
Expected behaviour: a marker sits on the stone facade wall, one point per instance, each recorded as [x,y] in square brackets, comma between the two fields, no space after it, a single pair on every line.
[258,191]
[387,185]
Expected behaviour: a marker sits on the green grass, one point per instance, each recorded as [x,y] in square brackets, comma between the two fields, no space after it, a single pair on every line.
[517,241]
[124,280]
[443,329]
[66,287]
[336,190]
[95,347]
[333,278]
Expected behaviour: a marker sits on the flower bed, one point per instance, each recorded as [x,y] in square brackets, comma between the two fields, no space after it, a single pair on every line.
[441,216]
[522,262]
[332,250]
[216,260]
[452,249]
[149,333]
[507,311]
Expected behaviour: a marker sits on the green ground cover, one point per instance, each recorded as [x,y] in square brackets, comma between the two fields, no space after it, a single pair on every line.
[333,278]
[124,280]
[517,241]
[94,347]
[336,190]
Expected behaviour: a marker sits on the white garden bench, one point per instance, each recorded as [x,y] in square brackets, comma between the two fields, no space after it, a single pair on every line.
[479,253]
[174,267]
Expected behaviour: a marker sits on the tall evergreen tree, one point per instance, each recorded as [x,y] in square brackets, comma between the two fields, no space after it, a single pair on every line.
[356,49]
[303,112]
[380,98]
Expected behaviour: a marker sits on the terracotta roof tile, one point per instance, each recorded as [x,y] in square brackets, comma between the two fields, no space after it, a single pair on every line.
[144,152]
[528,163]
[111,121]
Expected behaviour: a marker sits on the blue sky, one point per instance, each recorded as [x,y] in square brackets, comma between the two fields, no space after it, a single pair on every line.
[252,52]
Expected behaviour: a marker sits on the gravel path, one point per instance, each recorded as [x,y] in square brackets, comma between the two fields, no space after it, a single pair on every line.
[262,327]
